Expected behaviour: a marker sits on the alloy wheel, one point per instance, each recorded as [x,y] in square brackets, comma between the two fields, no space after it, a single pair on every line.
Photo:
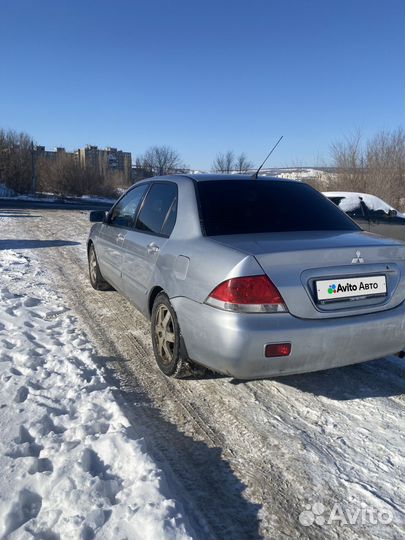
[93,266]
[165,335]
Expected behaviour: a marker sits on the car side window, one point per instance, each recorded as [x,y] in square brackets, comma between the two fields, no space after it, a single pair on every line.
[159,210]
[123,213]
[357,212]
[342,203]
[378,215]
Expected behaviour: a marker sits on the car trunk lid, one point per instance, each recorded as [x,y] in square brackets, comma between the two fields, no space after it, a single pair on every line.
[296,261]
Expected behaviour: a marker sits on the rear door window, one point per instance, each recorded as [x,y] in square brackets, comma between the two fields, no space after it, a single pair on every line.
[123,213]
[159,210]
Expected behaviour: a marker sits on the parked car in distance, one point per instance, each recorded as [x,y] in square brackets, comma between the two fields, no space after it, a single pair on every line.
[250,277]
[370,212]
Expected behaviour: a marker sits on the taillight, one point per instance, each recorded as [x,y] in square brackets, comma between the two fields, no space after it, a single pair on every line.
[253,294]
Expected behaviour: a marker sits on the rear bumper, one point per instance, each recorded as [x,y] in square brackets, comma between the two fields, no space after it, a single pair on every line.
[233,343]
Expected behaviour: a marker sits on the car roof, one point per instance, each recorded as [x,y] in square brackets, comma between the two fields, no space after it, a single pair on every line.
[220,176]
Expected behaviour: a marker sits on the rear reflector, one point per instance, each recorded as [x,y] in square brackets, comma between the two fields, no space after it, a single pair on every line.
[254,294]
[277,349]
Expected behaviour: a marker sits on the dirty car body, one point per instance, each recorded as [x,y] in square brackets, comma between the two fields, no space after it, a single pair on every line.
[266,277]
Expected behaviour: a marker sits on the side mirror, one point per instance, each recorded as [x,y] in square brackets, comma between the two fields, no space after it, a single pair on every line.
[392,213]
[98,216]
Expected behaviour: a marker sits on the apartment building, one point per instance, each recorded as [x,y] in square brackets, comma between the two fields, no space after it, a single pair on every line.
[109,162]
[58,153]
[112,163]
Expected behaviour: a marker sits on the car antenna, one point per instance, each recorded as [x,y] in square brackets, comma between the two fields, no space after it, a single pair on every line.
[256,174]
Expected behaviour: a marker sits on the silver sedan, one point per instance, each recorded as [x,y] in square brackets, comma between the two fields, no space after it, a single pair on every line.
[251,278]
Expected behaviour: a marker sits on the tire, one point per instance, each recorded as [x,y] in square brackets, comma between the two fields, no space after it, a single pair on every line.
[167,341]
[96,279]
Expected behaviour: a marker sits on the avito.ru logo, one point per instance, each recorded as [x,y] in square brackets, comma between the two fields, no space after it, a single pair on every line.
[332,289]
[318,514]
[352,287]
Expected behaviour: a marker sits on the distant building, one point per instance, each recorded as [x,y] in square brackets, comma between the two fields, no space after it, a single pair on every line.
[139,172]
[113,164]
[109,162]
[59,152]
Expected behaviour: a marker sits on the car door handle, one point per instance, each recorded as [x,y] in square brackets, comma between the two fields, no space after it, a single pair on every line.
[120,237]
[152,248]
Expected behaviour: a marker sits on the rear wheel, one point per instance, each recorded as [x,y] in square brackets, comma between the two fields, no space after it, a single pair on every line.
[166,340]
[96,279]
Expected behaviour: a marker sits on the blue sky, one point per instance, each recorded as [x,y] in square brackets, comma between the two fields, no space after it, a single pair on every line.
[203,77]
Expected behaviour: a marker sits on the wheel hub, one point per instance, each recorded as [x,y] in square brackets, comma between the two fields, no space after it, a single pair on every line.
[93,266]
[164,331]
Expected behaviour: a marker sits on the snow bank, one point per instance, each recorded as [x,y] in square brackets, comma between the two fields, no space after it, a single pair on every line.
[109,200]
[302,174]
[71,464]
[49,198]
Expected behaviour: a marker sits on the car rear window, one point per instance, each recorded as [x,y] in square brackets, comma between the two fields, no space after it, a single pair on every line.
[257,206]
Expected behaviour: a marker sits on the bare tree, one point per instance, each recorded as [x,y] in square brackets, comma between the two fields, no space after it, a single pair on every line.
[242,164]
[348,157]
[224,163]
[65,175]
[15,160]
[378,167]
[160,160]
[385,156]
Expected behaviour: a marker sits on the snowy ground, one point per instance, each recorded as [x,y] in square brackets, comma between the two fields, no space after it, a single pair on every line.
[241,460]
[11,195]
[71,464]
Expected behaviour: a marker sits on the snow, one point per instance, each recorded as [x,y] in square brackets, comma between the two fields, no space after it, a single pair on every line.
[97,198]
[49,197]
[302,174]
[351,201]
[72,465]
[30,198]
[243,459]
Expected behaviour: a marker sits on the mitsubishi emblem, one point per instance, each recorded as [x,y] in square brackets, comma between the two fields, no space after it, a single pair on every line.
[358,258]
